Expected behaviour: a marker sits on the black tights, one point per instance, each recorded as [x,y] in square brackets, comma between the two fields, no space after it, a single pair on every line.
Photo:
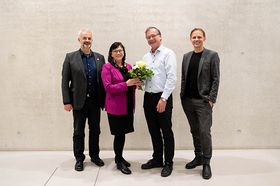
[118,147]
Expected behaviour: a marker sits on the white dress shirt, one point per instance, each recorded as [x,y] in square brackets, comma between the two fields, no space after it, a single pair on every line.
[163,63]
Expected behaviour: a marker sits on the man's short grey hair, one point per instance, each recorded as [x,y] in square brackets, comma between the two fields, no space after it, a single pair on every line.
[84,30]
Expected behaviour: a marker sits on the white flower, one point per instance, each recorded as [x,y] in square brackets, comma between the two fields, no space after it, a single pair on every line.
[141,64]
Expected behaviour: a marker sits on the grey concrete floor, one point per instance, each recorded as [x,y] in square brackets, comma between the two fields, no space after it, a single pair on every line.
[258,167]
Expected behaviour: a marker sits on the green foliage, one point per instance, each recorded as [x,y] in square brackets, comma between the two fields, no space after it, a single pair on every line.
[141,72]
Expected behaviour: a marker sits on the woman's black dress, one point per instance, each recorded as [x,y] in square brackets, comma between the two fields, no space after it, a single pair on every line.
[123,124]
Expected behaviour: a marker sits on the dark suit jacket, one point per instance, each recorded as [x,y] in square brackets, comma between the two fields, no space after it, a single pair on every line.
[74,81]
[208,76]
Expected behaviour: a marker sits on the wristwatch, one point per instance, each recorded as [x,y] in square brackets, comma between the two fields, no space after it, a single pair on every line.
[163,99]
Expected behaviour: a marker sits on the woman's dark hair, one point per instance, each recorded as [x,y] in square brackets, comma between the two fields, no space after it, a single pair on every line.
[113,47]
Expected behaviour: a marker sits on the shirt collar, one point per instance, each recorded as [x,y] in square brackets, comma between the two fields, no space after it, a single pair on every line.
[83,55]
[160,48]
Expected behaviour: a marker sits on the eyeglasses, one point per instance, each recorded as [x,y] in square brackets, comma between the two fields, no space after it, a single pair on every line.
[151,37]
[118,51]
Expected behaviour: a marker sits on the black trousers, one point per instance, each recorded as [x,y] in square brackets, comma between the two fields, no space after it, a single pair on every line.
[90,111]
[160,127]
[199,114]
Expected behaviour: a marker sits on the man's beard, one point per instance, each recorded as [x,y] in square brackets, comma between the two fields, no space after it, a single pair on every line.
[86,45]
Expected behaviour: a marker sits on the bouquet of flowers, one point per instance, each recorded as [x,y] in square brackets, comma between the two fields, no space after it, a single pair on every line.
[140,70]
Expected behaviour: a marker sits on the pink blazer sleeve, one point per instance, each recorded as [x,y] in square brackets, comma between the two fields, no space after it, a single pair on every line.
[112,79]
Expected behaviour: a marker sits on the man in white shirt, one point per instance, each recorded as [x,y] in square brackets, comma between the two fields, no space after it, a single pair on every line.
[158,101]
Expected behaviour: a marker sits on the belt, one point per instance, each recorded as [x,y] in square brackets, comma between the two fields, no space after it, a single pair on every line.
[152,93]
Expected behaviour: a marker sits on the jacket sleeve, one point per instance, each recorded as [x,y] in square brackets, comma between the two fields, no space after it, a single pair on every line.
[109,85]
[215,77]
[66,78]
[183,79]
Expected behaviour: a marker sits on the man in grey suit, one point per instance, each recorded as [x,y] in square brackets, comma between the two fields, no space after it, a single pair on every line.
[83,92]
[199,89]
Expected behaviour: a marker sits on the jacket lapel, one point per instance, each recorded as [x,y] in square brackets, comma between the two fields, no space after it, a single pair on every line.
[78,58]
[117,73]
[188,59]
[204,54]
[98,64]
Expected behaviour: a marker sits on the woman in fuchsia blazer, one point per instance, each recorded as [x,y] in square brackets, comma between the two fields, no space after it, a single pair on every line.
[119,101]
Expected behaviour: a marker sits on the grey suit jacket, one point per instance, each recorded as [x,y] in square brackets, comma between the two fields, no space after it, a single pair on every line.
[208,76]
[74,81]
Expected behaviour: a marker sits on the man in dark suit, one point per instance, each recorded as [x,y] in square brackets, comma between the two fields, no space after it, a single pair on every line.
[83,92]
[199,89]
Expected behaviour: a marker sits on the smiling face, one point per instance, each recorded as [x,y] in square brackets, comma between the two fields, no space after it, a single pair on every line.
[85,40]
[118,54]
[197,40]
[154,38]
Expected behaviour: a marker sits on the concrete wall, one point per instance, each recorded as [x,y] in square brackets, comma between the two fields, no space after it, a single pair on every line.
[36,34]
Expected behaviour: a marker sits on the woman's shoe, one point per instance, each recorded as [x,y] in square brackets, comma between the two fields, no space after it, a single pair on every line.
[126,162]
[123,168]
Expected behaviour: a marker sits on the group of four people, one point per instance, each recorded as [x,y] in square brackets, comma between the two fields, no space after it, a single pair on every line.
[89,85]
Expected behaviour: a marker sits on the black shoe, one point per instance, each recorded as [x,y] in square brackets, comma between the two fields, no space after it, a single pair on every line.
[206,171]
[151,164]
[167,169]
[123,168]
[194,163]
[122,160]
[126,162]
[97,161]
[79,166]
